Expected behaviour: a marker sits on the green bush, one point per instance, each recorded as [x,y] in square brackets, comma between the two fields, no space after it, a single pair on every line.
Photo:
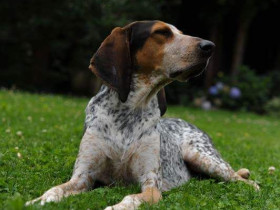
[275,83]
[272,107]
[249,92]
[255,89]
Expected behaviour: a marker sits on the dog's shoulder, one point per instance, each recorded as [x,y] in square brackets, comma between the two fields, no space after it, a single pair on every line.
[96,103]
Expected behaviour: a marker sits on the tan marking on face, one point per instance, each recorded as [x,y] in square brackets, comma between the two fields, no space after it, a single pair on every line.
[149,58]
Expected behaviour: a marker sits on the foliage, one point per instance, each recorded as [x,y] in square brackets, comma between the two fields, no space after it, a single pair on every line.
[272,107]
[250,92]
[254,88]
[275,83]
[47,45]
[51,128]
[225,96]
[183,93]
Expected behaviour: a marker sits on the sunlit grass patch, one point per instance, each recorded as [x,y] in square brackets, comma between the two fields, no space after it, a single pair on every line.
[40,136]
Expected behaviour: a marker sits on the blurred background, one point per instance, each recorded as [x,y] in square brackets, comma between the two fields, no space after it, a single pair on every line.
[45,47]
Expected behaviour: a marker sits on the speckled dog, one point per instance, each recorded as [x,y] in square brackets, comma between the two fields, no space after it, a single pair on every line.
[125,137]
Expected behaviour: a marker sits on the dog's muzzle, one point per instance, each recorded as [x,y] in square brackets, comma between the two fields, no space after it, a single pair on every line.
[206,48]
[204,51]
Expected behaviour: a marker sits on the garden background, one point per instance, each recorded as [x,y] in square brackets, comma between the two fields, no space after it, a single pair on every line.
[45,47]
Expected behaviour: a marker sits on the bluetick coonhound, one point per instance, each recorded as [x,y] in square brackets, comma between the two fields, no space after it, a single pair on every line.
[125,137]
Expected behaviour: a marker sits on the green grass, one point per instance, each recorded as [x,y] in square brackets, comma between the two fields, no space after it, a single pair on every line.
[51,129]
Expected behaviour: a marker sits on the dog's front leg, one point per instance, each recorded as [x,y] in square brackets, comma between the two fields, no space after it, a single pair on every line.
[145,168]
[150,195]
[89,164]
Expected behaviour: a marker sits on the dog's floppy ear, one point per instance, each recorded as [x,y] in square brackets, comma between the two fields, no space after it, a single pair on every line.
[112,62]
[162,101]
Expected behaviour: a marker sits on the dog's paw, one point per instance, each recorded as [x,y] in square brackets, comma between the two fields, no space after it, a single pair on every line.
[244,173]
[54,194]
[128,203]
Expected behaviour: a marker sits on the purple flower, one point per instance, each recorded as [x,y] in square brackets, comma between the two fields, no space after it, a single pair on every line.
[213,90]
[235,92]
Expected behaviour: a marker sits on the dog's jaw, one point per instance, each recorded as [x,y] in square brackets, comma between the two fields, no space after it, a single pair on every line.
[183,75]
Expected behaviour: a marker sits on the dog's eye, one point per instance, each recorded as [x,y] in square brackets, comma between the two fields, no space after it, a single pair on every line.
[164,32]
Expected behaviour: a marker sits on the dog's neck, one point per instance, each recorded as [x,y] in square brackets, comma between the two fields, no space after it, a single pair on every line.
[142,96]
[141,104]
[144,90]
[129,118]
[140,99]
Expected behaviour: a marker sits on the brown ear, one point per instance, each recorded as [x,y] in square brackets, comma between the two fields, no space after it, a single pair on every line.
[112,62]
[162,101]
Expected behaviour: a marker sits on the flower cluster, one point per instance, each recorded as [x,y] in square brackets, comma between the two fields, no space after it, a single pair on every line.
[220,88]
[219,95]
[248,92]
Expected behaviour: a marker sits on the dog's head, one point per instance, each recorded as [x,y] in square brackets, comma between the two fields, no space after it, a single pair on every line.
[157,52]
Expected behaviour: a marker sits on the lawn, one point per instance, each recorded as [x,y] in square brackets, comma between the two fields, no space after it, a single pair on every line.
[39,140]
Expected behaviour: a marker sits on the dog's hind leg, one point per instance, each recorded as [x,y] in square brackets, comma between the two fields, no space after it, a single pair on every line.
[89,164]
[201,156]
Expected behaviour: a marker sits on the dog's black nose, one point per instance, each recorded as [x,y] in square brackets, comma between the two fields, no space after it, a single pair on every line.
[206,46]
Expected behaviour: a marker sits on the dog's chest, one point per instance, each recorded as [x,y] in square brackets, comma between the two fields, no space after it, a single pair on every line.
[120,128]
[129,139]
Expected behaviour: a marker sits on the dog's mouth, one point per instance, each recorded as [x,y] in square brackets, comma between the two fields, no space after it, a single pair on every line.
[189,72]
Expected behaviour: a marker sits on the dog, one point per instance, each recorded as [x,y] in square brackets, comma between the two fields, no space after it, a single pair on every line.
[125,137]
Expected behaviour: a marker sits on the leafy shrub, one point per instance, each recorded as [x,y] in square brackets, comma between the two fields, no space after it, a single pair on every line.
[255,90]
[224,96]
[272,107]
[250,92]
[275,83]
